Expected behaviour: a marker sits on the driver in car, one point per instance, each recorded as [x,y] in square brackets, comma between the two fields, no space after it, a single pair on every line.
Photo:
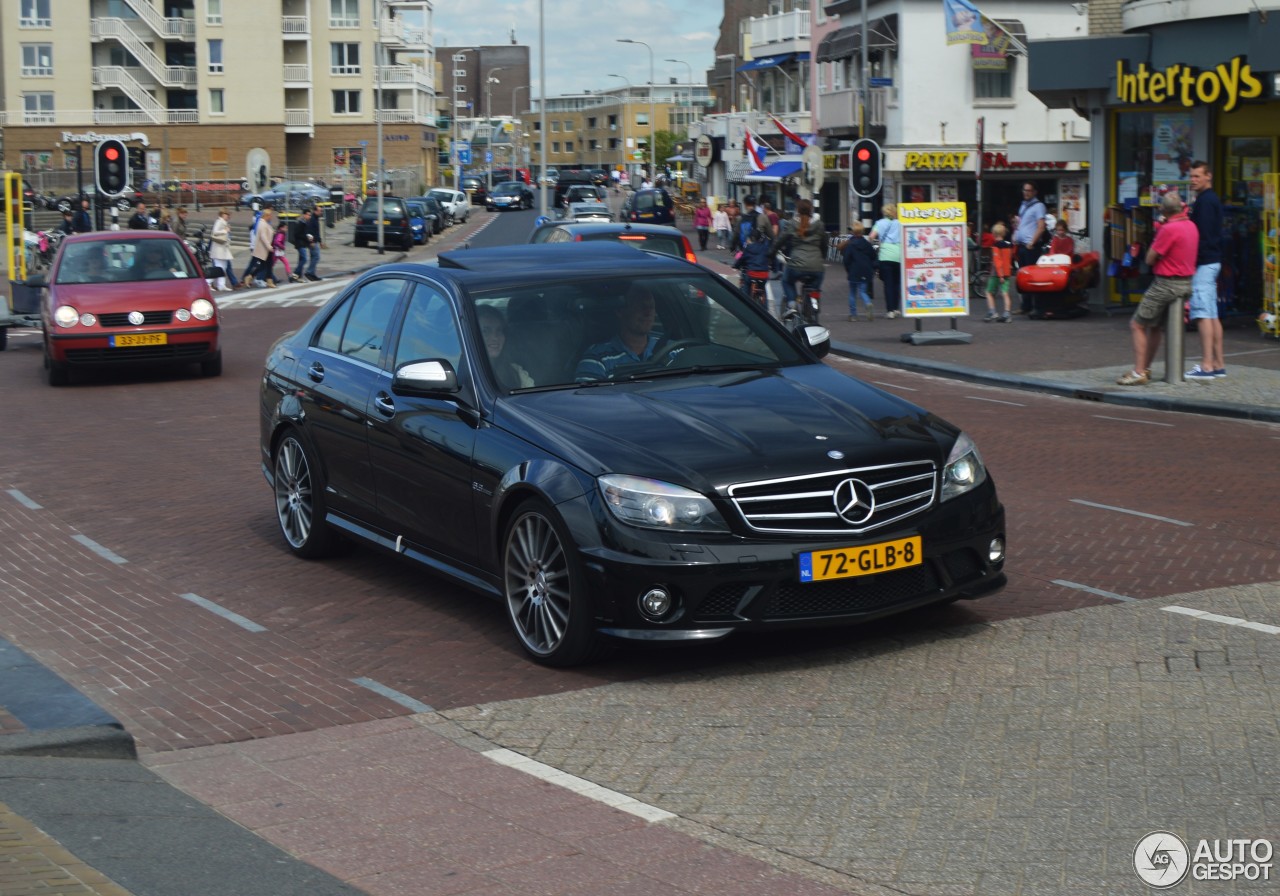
[635,341]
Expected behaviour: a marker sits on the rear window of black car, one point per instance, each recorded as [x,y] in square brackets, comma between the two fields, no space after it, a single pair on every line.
[390,208]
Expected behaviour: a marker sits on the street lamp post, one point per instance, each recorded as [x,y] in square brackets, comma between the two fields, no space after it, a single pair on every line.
[653,132]
[456,58]
[488,120]
[690,68]
[515,132]
[377,117]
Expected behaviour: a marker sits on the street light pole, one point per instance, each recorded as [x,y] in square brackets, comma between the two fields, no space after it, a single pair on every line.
[488,120]
[455,59]
[542,107]
[377,117]
[515,131]
[653,132]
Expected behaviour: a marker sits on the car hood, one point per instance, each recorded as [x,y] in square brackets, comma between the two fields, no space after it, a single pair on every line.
[708,431]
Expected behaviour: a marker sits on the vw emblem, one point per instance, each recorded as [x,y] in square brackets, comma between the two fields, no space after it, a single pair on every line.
[854,501]
[136,318]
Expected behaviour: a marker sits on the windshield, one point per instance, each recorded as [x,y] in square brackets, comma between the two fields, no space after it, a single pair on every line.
[99,261]
[611,330]
[417,210]
[441,196]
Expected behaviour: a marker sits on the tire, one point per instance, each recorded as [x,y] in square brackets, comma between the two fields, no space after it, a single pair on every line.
[544,587]
[300,503]
[212,367]
[4,338]
[57,372]
[360,242]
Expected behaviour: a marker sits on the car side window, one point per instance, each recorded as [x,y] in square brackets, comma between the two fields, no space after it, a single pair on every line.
[430,329]
[358,329]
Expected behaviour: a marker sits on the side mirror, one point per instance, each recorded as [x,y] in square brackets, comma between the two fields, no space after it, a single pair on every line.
[36,281]
[432,377]
[817,338]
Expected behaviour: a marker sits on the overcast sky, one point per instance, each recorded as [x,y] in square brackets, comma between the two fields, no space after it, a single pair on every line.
[581,37]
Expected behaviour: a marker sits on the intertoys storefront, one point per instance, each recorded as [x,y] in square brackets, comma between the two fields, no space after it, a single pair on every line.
[1199,89]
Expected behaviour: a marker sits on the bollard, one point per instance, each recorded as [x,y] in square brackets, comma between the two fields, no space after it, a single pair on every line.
[1174,338]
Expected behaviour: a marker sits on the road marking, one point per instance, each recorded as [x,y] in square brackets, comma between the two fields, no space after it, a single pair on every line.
[24,500]
[1131,420]
[393,695]
[1150,516]
[224,613]
[1098,591]
[294,294]
[1016,404]
[1225,620]
[578,785]
[893,386]
[99,549]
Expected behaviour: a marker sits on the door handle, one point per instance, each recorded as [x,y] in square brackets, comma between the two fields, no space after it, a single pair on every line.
[385,405]
[316,372]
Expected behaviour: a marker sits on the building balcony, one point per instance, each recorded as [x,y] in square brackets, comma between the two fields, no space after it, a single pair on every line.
[295,26]
[394,77]
[838,109]
[787,32]
[298,121]
[297,74]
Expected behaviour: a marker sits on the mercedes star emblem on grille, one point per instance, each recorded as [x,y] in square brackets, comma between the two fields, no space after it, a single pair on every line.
[854,501]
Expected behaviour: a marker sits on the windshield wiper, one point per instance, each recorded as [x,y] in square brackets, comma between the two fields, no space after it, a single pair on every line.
[697,368]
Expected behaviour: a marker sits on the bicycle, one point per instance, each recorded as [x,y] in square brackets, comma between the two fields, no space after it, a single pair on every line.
[808,300]
[755,285]
[979,271]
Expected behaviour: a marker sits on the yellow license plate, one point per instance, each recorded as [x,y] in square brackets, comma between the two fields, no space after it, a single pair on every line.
[864,560]
[129,340]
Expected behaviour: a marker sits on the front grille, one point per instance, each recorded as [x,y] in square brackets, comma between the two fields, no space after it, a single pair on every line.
[806,505]
[172,352]
[149,319]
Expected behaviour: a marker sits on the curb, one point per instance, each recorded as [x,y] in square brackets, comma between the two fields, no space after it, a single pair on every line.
[1066,390]
[83,742]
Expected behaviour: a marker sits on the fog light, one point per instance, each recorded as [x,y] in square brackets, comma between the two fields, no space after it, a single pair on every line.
[995,551]
[655,603]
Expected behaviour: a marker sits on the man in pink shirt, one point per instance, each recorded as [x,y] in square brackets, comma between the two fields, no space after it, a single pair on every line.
[1172,258]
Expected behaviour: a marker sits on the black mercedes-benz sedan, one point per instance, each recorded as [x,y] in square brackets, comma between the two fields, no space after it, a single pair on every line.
[616,444]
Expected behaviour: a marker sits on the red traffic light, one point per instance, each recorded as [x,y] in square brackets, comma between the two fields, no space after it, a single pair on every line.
[111,153]
[863,154]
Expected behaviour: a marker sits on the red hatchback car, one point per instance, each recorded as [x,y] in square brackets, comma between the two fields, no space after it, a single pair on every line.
[127,297]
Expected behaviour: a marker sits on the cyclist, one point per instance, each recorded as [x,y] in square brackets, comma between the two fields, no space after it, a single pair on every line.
[804,242]
[754,262]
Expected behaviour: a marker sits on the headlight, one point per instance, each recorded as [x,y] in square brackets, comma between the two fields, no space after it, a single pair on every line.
[964,469]
[66,316]
[659,505]
[202,309]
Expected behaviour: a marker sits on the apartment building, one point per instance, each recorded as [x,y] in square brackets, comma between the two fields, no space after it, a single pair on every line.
[253,90]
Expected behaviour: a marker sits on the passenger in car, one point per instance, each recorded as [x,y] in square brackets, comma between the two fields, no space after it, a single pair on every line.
[493,328]
[634,342]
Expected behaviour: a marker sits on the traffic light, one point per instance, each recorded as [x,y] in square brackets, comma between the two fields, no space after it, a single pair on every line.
[866,168]
[111,167]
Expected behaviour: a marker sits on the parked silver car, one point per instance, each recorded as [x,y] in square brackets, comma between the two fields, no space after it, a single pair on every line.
[455,202]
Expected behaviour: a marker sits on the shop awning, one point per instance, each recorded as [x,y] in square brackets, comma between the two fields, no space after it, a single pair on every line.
[1015,29]
[777,171]
[771,61]
[882,34]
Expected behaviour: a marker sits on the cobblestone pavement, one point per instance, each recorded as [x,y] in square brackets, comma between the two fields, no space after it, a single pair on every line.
[1025,757]
[33,863]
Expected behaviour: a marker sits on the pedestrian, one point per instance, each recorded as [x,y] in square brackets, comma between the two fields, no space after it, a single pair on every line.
[1001,274]
[67,227]
[859,258]
[1172,258]
[301,238]
[83,220]
[720,224]
[1028,237]
[1206,214]
[165,222]
[886,234]
[316,229]
[179,223]
[702,223]
[140,220]
[259,270]
[751,219]
[803,242]
[767,207]
[220,252]
[280,253]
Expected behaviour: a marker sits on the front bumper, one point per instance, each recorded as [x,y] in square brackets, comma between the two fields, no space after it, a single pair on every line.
[186,345]
[734,584]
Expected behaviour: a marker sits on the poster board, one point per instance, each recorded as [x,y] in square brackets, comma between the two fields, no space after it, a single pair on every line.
[935,259]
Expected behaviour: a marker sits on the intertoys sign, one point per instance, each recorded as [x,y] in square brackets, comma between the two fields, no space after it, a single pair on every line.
[1226,83]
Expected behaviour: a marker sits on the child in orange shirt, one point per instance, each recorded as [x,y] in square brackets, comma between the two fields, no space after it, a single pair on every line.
[1001,272]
